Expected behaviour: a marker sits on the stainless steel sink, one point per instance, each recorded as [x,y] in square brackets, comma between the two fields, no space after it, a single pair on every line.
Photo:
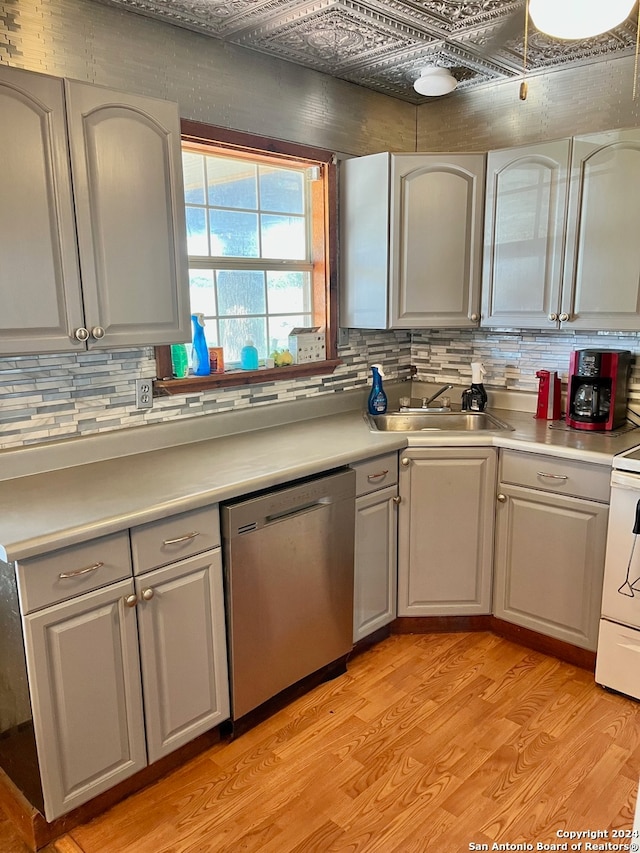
[437,422]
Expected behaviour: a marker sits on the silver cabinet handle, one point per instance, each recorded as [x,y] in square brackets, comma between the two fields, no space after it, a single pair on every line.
[97,332]
[553,317]
[131,600]
[405,461]
[501,498]
[474,318]
[184,538]
[371,477]
[397,500]
[77,572]
[564,317]
[81,334]
[147,594]
[553,476]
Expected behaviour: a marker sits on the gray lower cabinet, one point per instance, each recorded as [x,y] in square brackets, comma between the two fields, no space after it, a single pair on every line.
[97,249]
[375,571]
[182,651]
[123,671]
[445,531]
[550,545]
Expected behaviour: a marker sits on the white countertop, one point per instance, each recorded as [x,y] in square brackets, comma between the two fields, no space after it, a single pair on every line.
[54,509]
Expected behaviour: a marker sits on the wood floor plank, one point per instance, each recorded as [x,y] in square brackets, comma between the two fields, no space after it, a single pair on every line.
[427,743]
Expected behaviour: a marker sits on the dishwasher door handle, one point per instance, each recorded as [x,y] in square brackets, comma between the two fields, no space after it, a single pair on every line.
[298,510]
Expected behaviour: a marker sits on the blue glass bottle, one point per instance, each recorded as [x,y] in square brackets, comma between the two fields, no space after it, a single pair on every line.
[200,351]
[249,356]
[377,398]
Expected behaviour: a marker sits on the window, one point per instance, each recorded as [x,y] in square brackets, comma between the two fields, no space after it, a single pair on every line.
[261,242]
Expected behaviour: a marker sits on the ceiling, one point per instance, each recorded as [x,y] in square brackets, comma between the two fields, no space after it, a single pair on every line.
[384,45]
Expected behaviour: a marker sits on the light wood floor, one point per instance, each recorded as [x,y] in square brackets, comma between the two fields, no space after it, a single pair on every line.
[428,743]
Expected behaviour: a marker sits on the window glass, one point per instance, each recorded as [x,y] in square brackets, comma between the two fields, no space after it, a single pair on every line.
[251,267]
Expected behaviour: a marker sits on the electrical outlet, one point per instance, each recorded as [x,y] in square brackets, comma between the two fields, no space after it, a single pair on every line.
[144,393]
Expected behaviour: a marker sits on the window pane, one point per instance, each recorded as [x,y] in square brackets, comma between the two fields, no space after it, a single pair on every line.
[193,171]
[234,334]
[202,292]
[279,328]
[283,237]
[241,292]
[288,292]
[197,243]
[232,183]
[281,190]
[234,234]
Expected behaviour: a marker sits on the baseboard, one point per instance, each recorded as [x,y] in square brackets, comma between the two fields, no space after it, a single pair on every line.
[566,652]
[36,832]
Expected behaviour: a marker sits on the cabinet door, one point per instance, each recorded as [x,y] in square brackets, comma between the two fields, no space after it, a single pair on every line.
[127,175]
[602,265]
[526,204]
[436,240]
[549,564]
[183,651]
[84,677]
[39,277]
[374,603]
[445,531]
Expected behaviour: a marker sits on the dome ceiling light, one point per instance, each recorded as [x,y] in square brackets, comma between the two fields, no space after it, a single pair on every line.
[575,19]
[434,81]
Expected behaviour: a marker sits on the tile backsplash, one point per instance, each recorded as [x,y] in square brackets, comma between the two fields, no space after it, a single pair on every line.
[48,397]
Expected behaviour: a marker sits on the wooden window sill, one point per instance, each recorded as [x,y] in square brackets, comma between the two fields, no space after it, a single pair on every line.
[237,378]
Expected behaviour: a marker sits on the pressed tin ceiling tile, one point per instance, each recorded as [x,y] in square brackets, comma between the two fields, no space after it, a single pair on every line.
[383,44]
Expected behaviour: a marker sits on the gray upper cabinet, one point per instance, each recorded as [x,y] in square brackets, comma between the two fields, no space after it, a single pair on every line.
[526,205]
[39,273]
[411,240]
[560,249]
[601,288]
[98,250]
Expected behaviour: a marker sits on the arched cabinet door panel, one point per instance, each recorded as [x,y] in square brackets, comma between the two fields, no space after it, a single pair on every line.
[127,174]
[41,304]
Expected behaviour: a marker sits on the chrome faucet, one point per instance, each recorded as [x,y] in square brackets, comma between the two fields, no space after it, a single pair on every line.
[426,401]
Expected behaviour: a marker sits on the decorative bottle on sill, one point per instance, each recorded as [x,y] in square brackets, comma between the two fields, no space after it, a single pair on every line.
[249,356]
[200,351]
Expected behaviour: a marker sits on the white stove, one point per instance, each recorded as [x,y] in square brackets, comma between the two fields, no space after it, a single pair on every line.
[618,656]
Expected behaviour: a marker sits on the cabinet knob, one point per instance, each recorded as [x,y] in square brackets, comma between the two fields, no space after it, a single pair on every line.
[564,318]
[474,318]
[81,334]
[553,317]
[501,498]
[97,332]
[147,594]
[131,600]
[405,461]
[397,500]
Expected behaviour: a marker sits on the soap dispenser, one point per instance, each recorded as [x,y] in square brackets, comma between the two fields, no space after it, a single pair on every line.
[377,398]
[474,399]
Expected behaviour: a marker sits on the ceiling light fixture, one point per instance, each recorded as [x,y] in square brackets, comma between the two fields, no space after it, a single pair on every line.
[434,81]
[575,19]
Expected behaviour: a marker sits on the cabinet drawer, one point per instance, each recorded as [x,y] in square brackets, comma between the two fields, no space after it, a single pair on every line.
[376,473]
[159,543]
[74,570]
[554,474]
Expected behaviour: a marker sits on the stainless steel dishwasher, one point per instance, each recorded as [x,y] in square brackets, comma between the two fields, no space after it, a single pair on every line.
[289,584]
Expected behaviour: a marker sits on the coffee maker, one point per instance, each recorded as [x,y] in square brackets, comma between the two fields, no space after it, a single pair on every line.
[597,389]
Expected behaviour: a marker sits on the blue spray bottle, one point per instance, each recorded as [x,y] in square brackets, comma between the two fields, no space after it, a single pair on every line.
[200,351]
[377,398]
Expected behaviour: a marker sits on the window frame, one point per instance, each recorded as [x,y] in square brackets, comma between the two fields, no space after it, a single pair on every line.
[206,135]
